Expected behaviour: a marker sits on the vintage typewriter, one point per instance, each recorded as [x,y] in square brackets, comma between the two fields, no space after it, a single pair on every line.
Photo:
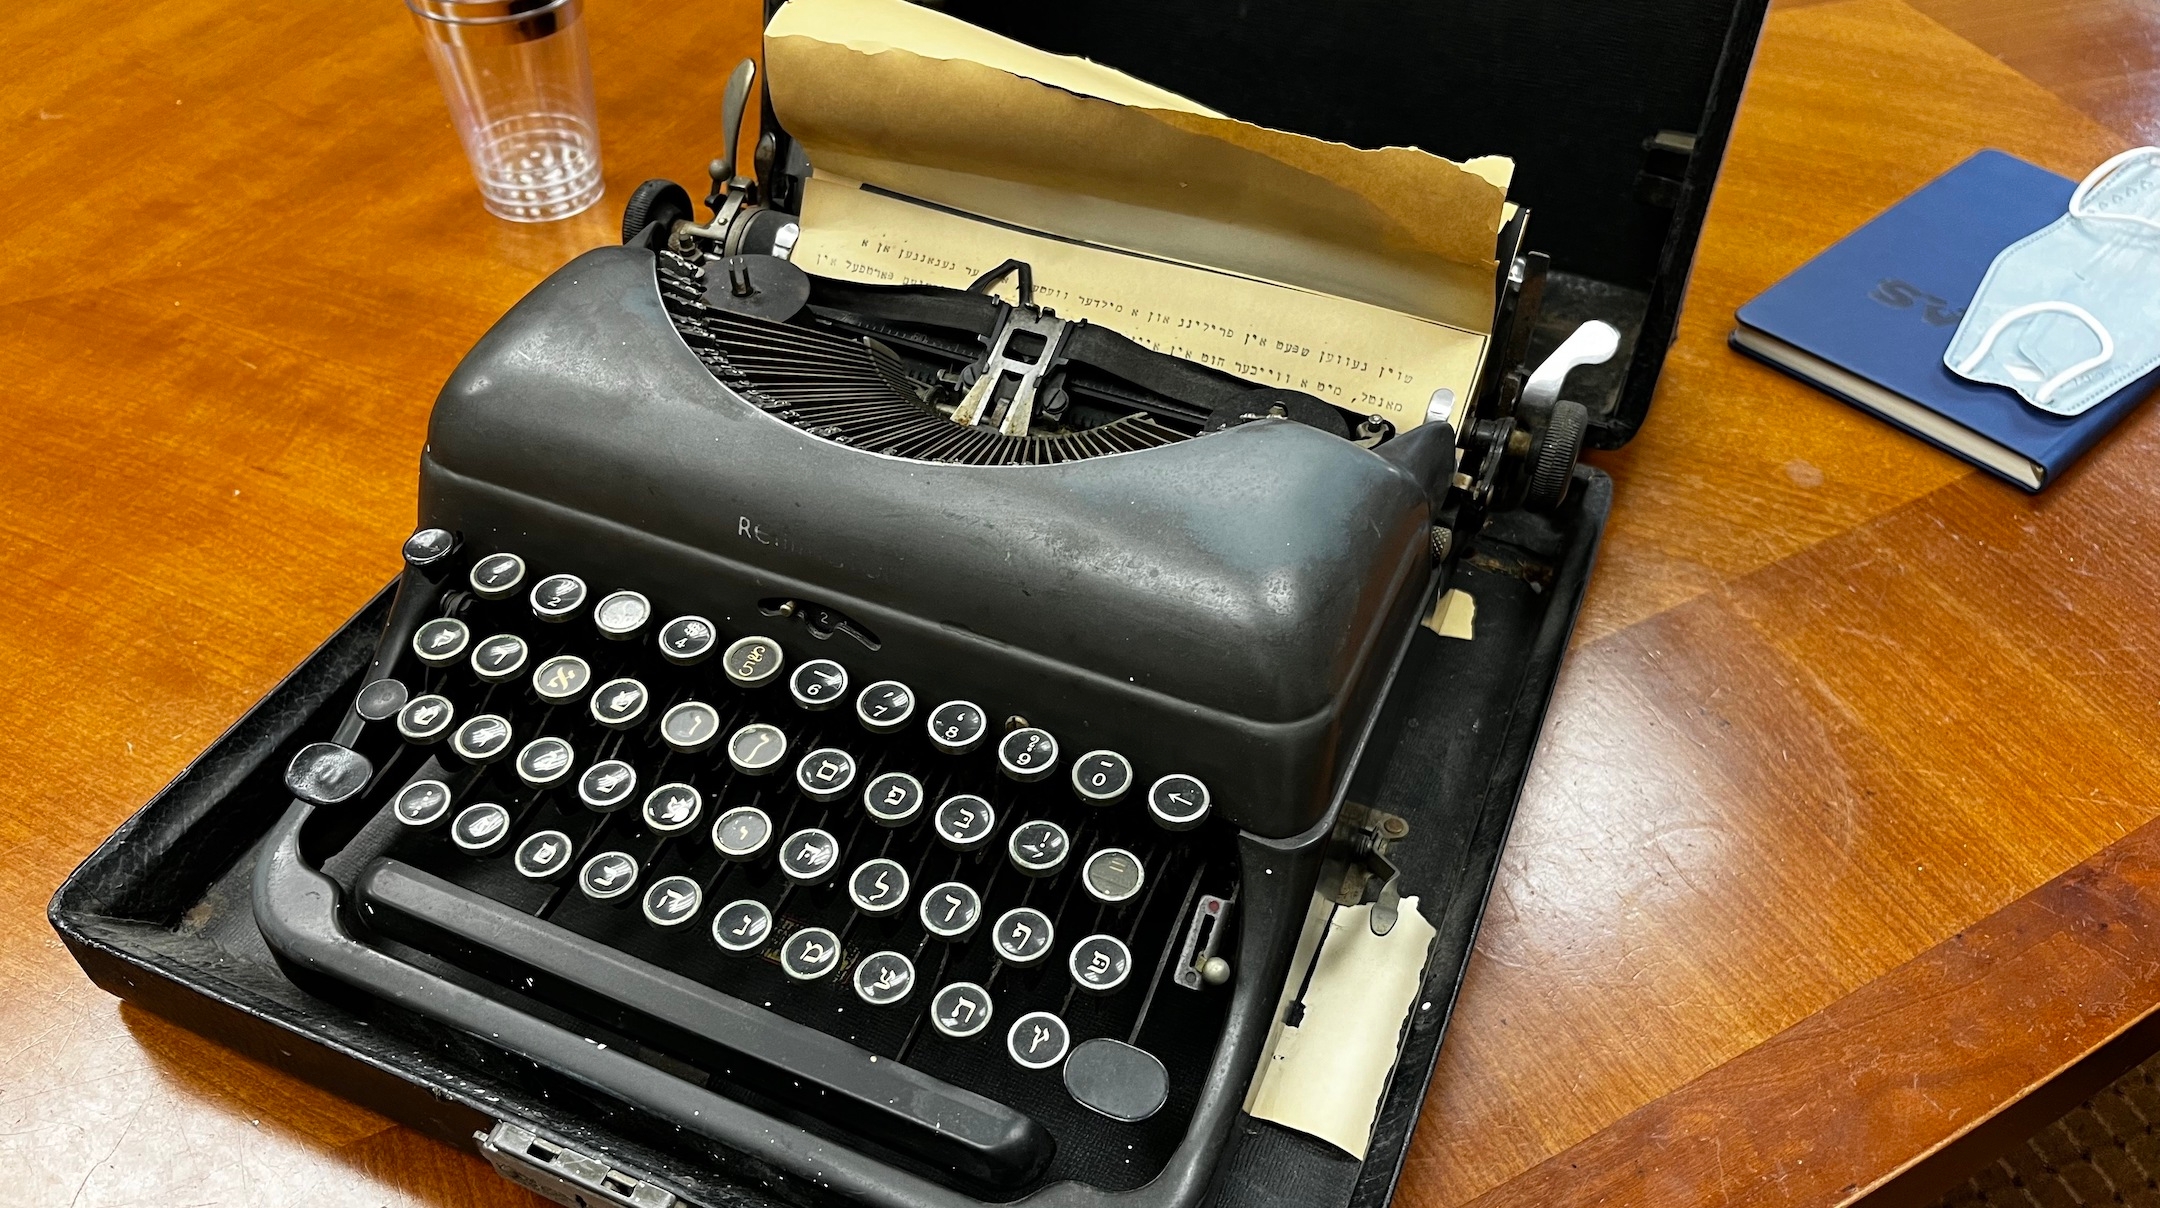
[884,742]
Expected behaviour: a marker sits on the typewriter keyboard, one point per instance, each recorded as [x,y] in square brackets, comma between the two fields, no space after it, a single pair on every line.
[581,784]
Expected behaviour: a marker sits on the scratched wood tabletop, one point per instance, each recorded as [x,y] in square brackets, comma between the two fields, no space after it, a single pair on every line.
[1833,869]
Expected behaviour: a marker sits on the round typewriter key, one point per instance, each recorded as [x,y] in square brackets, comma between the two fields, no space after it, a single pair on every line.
[441,641]
[691,726]
[608,875]
[742,833]
[557,598]
[818,684]
[893,799]
[742,925]
[482,739]
[562,679]
[606,786]
[543,855]
[672,901]
[1113,875]
[619,615]
[380,699]
[825,774]
[620,703]
[497,576]
[1027,753]
[1038,848]
[545,761]
[429,546]
[883,979]
[756,748]
[958,726]
[673,807]
[810,954]
[687,640]
[808,857]
[960,1010]
[878,887]
[752,661]
[964,822]
[950,911]
[500,658]
[1038,1040]
[480,829]
[1099,963]
[422,804]
[1023,936]
[325,773]
[885,706]
[1101,776]
[425,718]
[1179,802]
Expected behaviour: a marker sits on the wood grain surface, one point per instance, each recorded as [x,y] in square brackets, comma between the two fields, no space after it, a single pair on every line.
[1832,853]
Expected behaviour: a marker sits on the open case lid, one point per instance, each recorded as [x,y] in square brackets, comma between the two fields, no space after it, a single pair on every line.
[1616,117]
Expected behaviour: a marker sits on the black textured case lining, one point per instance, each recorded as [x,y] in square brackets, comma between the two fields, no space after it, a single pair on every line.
[160,913]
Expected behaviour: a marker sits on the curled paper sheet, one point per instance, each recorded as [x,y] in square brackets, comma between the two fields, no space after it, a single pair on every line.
[916,102]
[1304,255]
[1333,1047]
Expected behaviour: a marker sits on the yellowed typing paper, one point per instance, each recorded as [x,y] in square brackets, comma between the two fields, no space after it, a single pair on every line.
[923,105]
[1325,1076]
[1355,355]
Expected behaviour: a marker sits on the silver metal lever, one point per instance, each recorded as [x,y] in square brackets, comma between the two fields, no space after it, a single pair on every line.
[732,103]
[1594,343]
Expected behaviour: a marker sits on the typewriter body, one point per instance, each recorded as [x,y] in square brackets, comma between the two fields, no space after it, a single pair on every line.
[883,744]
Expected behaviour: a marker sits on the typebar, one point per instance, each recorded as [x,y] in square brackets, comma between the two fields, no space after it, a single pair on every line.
[881,1100]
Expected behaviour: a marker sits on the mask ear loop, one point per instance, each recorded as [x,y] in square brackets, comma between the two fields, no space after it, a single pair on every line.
[2047,391]
[2099,175]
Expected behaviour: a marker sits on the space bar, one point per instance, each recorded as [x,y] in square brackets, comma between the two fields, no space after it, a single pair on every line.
[823,1076]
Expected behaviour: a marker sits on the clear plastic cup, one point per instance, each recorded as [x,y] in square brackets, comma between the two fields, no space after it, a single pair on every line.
[519,84]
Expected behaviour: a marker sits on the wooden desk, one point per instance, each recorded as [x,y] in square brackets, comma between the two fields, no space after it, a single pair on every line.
[1832,857]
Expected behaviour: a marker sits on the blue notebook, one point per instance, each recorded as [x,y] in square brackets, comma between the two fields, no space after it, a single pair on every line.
[1869,319]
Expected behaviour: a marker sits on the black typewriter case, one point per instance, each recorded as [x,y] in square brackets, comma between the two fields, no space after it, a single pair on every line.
[1617,117]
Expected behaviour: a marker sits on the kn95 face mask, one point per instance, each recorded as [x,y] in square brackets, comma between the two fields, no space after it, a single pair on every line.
[2070,314]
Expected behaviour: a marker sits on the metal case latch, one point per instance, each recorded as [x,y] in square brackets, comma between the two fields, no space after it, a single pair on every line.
[563,1174]
[1359,860]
